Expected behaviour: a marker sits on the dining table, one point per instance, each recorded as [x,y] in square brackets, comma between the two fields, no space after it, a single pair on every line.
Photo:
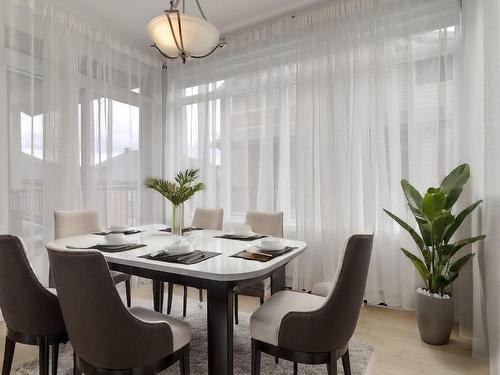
[220,274]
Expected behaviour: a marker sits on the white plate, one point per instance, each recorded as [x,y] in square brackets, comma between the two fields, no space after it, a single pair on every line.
[241,234]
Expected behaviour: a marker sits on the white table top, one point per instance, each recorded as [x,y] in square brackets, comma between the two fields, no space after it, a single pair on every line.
[222,267]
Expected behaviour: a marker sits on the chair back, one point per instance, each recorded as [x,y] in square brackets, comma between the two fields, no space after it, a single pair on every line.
[101,329]
[267,223]
[75,223]
[27,307]
[332,326]
[208,218]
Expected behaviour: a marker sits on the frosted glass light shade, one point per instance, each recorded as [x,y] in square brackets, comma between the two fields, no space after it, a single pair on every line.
[200,36]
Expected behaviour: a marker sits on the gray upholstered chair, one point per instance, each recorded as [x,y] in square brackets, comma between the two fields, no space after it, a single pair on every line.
[204,218]
[31,312]
[270,224]
[107,337]
[75,223]
[305,328]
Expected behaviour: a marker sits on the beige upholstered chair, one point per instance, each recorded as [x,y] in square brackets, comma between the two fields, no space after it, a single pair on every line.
[107,337]
[208,218]
[267,223]
[322,289]
[305,328]
[75,223]
[270,224]
[204,218]
[31,312]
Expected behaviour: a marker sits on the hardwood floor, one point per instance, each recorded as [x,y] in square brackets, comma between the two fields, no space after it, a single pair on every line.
[393,334]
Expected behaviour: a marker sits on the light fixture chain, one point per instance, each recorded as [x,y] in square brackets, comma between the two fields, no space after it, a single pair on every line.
[201,10]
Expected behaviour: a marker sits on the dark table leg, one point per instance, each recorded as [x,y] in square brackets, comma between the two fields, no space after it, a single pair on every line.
[158,291]
[278,281]
[220,328]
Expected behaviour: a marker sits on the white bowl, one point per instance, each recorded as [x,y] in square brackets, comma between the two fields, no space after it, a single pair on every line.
[119,228]
[178,249]
[273,245]
[115,239]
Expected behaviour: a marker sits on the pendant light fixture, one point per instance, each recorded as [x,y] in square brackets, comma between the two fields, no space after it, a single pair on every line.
[176,34]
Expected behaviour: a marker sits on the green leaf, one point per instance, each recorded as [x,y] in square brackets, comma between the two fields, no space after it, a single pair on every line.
[457,265]
[425,231]
[418,240]
[433,202]
[414,199]
[456,178]
[440,224]
[459,244]
[419,264]
[459,219]
[451,197]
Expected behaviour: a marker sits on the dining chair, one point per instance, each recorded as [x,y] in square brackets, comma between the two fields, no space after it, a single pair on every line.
[30,311]
[204,218]
[322,289]
[309,329]
[270,224]
[107,337]
[78,222]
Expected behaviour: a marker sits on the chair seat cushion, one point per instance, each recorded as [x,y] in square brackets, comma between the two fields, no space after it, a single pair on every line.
[322,289]
[118,277]
[255,290]
[266,320]
[181,331]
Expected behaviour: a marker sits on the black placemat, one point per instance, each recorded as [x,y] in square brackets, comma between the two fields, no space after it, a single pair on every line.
[108,248]
[262,258]
[193,258]
[241,238]
[126,232]
[185,230]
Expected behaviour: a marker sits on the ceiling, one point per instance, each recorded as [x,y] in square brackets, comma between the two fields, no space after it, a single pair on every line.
[127,19]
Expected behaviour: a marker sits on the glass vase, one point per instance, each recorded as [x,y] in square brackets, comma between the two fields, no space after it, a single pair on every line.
[177,224]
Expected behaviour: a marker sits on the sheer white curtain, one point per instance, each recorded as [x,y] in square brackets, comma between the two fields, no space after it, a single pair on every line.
[81,124]
[480,120]
[321,115]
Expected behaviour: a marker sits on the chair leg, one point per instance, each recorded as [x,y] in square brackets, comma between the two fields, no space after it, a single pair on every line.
[255,358]
[276,359]
[236,320]
[184,364]
[261,300]
[10,346]
[295,368]
[332,364]
[170,295]
[55,358]
[200,295]
[184,301]
[43,350]
[127,292]
[76,370]
[346,363]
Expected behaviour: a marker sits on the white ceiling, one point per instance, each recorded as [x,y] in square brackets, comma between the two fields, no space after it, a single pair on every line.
[127,19]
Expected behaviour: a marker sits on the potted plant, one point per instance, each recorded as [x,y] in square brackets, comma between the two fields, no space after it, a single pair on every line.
[183,187]
[437,262]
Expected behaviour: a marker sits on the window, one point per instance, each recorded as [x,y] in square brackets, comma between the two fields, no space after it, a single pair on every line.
[32,135]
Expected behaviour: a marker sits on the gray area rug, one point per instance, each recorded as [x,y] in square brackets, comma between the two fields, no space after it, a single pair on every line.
[359,352]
